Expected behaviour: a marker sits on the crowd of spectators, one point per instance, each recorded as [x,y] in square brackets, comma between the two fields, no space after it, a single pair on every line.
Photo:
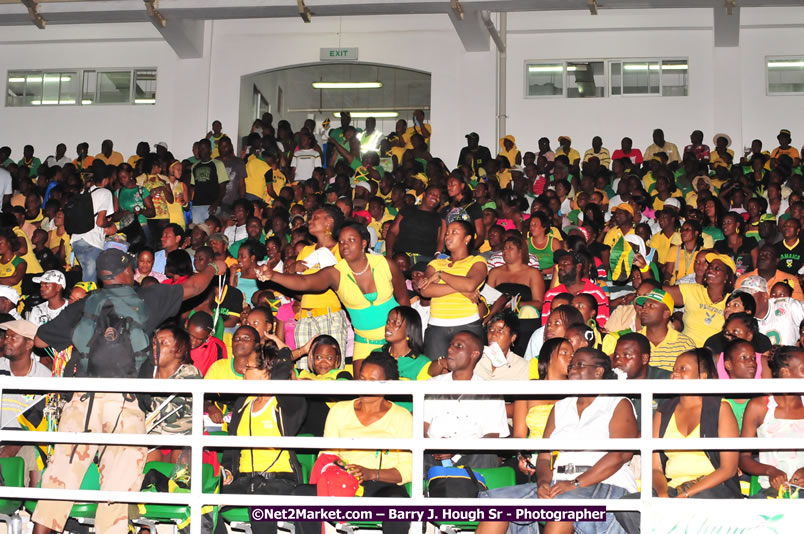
[340,253]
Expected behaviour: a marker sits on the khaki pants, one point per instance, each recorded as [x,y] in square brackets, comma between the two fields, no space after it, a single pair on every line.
[120,467]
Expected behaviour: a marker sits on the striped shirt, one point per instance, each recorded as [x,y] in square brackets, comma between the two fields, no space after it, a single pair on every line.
[14,404]
[665,353]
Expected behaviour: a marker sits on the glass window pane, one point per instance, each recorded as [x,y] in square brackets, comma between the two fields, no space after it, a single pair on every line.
[674,77]
[145,87]
[89,86]
[586,79]
[68,88]
[114,87]
[616,74]
[786,75]
[15,92]
[33,89]
[545,79]
[50,88]
[640,78]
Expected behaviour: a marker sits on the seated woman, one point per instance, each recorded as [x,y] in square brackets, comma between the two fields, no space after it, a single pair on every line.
[702,474]
[560,318]
[516,277]
[740,302]
[742,327]
[171,414]
[740,362]
[776,416]
[403,336]
[578,474]
[263,471]
[380,473]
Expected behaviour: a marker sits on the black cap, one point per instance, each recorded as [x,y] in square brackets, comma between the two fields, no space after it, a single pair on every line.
[419,266]
[112,262]
[472,134]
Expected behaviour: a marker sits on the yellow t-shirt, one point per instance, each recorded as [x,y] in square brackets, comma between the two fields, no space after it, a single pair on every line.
[717,161]
[176,208]
[662,244]
[152,181]
[702,317]
[54,239]
[454,306]
[262,423]
[604,156]
[573,155]
[223,370]
[342,422]
[29,257]
[116,158]
[327,299]
[684,466]
[682,260]
[410,131]
[7,269]
[255,177]
[613,235]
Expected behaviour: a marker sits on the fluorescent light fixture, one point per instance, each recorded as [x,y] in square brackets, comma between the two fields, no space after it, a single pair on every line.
[36,102]
[675,67]
[347,85]
[49,102]
[16,80]
[145,101]
[785,64]
[546,68]
[67,101]
[86,102]
[644,66]
[53,79]
[573,68]
[366,114]
[32,79]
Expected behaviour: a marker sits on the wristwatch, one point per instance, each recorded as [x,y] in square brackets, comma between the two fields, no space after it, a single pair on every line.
[577,483]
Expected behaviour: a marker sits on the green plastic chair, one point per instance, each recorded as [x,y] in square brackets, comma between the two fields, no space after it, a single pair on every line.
[84,512]
[14,475]
[496,477]
[175,513]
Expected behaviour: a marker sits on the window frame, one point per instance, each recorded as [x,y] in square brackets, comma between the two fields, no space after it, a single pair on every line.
[767,75]
[79,96]
[607,76]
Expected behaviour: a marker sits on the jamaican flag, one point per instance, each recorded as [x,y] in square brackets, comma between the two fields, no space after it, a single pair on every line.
[34,419]
[621,260]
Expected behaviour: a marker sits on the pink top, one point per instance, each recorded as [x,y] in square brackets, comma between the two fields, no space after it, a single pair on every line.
[138,276]
[721,367]
[286,315]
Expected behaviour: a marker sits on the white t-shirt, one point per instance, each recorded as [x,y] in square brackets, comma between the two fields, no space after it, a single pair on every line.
[235,233]
[102,200]
[781,322]
[14,404]
[5,185]
[464,416]
[42,313]
[305,161]
[51,161]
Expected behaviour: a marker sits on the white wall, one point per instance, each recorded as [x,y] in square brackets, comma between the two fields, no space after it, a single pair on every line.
[726,92]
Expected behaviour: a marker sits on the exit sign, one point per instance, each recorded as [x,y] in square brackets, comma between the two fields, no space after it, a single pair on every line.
[339,54]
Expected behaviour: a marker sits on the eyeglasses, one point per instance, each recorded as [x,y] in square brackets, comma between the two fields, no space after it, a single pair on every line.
[581,365]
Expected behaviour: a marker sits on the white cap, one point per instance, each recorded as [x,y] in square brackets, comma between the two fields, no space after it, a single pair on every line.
[10,293]
[52,277]
[162,144]
[364,185]
[672,202]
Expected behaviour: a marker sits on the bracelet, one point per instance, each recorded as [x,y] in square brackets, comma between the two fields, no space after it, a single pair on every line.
[645,269]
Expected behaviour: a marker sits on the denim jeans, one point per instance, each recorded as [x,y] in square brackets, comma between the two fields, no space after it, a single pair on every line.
[595,491]
[87,255]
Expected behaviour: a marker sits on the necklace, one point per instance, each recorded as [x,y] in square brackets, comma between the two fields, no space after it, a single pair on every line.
[361,272]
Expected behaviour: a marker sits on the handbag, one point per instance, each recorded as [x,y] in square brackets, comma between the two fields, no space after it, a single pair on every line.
[331,479]
[460,482]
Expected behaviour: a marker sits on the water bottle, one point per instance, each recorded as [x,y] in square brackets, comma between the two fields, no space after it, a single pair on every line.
[15,524]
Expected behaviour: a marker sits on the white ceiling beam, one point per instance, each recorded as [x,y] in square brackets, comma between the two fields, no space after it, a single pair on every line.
[727,26]
[471,30]
[185,37]
[152,8]
[33,12]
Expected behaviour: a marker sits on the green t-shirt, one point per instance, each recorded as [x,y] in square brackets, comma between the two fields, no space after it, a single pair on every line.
[128,199]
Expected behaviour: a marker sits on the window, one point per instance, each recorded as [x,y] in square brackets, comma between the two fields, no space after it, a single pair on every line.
[85,87]
[601,78]
[785,76]
[545,79]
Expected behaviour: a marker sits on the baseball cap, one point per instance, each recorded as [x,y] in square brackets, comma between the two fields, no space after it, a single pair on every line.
[625,207]
[204,227]
[568,138]
[10,293]
[20,326]
[672,203]
[657,295]
[753,284]
[472,134]
[727,260]
[52,277]
[220,237]
[364,185]
[767,217]
[162,144]
[784,131]
[112,262]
